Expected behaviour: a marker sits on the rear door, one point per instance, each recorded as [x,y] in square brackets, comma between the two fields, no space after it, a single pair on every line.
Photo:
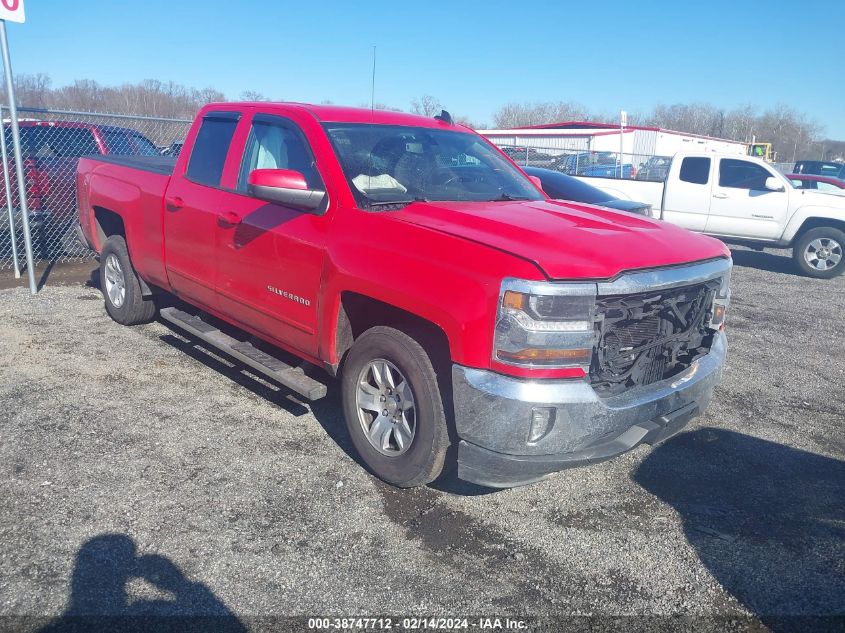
[192,204]
[741,205]
[686,196]
[270,259]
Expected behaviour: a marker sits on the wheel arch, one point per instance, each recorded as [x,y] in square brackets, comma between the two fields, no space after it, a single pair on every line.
[817,223]
[357,313]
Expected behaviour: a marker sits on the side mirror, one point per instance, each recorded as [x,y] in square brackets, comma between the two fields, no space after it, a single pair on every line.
[773,184]
[536,181]
[286,187]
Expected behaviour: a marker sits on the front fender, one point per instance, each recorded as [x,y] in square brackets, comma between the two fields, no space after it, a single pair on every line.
[448,281]
[807,212]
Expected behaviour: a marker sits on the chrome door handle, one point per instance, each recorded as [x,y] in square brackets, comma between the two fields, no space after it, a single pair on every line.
[721,196]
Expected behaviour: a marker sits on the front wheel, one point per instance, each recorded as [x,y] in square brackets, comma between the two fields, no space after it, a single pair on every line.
[393,408]
[819,252]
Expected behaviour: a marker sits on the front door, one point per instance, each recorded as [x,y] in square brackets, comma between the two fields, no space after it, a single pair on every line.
[741,205]
[270,257]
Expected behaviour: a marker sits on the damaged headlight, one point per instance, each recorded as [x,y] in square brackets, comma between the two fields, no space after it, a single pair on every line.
[720,303]
[545,325]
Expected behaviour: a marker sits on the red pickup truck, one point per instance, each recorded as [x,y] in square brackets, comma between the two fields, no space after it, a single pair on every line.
[50,151]
[467,316]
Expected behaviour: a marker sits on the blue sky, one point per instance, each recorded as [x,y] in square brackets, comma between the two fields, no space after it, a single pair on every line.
[473,56]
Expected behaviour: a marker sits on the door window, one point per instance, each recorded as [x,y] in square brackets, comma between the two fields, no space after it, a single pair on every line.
[211,147]
[741,174]
[277,144]
[826,186]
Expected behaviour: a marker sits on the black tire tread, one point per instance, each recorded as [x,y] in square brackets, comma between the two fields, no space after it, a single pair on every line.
[135,309]
[436,456]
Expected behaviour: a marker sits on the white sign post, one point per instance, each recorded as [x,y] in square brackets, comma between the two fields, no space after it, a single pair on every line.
[13,11]
[623,121]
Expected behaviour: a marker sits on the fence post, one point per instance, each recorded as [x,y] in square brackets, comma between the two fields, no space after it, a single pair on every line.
[16,140]
[9,208]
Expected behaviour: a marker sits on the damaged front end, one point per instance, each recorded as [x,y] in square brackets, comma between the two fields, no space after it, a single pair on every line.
[646,337]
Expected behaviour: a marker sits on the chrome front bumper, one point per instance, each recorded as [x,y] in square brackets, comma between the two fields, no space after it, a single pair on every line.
[493,416]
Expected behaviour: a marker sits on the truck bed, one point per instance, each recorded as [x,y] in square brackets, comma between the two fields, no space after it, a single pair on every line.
[163,165]
[134,187]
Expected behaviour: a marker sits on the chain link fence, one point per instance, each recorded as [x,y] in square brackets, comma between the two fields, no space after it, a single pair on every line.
[52,141]
[597,164]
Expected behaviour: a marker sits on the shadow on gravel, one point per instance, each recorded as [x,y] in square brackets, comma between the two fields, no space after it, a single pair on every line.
[99,600]
[767,520]
[765,261]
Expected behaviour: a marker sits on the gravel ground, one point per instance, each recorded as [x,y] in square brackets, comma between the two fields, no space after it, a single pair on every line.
[142,474]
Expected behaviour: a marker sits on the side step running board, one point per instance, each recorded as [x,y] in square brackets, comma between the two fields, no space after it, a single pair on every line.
[291,377]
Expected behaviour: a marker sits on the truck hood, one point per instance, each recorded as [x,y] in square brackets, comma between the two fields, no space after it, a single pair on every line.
[566,240]
[834,199]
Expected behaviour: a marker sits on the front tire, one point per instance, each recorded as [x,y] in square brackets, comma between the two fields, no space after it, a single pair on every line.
[121,288]
[393,408]
[819,252]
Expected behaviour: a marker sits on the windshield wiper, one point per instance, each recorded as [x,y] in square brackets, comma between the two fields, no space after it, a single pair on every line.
[506,197]
[387,203]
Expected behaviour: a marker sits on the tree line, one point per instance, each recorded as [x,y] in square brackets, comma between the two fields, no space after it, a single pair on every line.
[792,133]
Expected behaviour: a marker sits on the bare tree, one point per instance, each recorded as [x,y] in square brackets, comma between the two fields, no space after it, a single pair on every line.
[31,90]
[523,114]
[254,95]
[378,105]
[426,105]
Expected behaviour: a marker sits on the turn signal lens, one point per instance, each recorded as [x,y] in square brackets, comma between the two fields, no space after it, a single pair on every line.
[546,356]
[514,300]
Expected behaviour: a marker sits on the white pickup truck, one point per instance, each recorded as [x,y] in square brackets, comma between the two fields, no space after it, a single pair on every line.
[744,200]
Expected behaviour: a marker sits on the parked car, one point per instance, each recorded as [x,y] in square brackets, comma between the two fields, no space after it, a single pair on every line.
[528,156]
[50,151]
[817,183]
[411,259]
[595,164]
[173,149]
[830,169]
[564,187]
[655,168]
[744,199]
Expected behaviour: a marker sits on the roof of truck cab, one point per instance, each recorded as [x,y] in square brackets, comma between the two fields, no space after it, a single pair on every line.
[343,114]
[72,124]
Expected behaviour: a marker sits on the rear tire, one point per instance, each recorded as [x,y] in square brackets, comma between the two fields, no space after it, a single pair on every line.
[120,285]
[393,408]
[820,252]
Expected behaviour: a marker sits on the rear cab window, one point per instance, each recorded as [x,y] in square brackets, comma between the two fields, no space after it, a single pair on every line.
[211,146]
[695,170]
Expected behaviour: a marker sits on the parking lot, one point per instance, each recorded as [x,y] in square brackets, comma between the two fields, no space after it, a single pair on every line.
[143,473]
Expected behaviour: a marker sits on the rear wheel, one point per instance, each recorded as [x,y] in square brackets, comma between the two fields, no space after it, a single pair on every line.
[120,285]
[393,408]
[819,252]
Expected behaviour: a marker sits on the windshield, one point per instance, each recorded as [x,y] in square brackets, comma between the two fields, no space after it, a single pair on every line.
[391,164]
